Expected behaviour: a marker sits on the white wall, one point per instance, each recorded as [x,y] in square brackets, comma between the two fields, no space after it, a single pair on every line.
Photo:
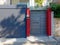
[4,2]
[31,3]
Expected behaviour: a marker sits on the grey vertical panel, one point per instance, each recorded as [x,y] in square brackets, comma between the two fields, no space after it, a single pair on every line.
[52,24]
[38,22]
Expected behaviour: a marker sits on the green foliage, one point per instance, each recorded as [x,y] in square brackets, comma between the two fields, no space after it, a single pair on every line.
[39,2]
[56,8]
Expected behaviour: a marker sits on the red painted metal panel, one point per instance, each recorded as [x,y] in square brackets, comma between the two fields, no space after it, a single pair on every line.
[28,22]
[48,16]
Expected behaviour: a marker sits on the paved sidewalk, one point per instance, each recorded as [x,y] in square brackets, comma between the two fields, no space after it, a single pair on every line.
[29,41]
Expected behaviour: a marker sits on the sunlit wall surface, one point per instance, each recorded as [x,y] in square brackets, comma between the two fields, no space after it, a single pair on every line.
[57,27]
[4,2]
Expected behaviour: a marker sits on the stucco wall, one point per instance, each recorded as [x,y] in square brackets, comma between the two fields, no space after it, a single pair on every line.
[57,27]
